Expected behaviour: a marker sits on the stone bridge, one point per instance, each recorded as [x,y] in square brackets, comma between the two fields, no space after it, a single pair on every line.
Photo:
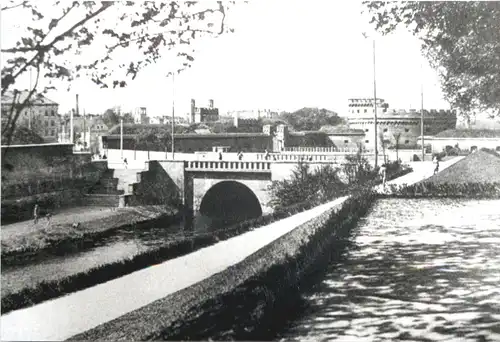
[215,188]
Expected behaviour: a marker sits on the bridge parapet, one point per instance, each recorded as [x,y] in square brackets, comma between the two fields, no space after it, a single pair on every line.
[337,150]
[297,157]
[228,166]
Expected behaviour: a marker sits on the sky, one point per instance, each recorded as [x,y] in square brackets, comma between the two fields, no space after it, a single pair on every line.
[284,55]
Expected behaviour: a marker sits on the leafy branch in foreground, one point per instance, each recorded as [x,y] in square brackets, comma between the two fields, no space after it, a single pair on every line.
[460,39]
[109,42]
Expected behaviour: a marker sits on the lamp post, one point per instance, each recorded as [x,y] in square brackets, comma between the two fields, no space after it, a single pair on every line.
[375,104]
[121,138]
[173,114]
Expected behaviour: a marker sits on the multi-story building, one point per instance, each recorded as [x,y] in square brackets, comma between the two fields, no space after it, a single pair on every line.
[204,114]
[140,115]
[401,127]
[253,114]
[41,114]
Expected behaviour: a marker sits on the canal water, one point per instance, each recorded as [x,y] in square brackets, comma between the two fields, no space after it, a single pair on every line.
[122,245]
[421,270]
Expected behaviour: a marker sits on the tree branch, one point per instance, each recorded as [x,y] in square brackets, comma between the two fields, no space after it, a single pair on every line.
[41,49]
[14,6]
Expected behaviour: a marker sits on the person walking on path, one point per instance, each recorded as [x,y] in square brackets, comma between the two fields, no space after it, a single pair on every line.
[436,169]
[383,173]
[36,212]
[220,155]
[125,163]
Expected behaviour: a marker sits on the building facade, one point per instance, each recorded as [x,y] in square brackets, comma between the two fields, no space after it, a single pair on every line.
[41,114]
[204,114]
[396,127]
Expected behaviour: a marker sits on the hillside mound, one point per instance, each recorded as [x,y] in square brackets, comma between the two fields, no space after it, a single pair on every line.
[478,167]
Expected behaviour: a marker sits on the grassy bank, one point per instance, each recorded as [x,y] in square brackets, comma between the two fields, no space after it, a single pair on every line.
[25,240]
[233,303]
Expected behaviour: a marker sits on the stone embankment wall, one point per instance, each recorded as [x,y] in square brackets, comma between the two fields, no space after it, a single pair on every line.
[48,174]
[241,301]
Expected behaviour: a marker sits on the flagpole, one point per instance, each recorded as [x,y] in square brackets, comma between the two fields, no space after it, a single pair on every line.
[422,111]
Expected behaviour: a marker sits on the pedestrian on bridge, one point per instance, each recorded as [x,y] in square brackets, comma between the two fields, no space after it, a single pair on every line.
[266,155]
[220,155]
[240,155]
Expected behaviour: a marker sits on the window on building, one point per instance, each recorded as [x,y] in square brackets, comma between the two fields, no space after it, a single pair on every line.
[365,110]
[407,130]
[367,141]
[52,123]
[53,132]
[46,131]
[346,141]
[366,129]
[385,130]
[53,113]
[358,111]
[407,141]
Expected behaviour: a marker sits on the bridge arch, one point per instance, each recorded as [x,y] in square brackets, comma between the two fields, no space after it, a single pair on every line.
[230,200]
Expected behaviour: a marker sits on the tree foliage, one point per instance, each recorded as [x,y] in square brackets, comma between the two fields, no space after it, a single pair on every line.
[306,185]
[460,39]
[109,42]
[22,136]
[311,119]
[153,139]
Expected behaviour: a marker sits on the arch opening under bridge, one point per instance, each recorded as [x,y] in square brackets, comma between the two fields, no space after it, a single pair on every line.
[230,200]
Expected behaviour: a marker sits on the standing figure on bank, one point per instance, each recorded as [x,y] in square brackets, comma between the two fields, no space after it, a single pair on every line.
[383,173]
[220,155]
[125,162]
[36,213]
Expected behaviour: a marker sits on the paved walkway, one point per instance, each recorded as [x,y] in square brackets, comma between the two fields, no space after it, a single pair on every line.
[421,171]
[75,313]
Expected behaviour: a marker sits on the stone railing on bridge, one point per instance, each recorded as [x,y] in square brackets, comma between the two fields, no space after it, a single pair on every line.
[332,149]
[228,166]
[297,157]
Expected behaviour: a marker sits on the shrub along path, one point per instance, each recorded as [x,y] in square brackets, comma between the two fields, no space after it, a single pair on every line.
[80,311]
[26,236]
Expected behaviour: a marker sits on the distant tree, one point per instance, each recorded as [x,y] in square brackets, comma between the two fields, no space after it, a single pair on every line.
[311,119]
[110,118]
[128,118]
[461,41]
[92,33]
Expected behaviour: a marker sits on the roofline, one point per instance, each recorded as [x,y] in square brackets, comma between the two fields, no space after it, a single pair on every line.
[38,145]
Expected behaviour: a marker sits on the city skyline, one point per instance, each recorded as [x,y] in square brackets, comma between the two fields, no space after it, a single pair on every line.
[309,55]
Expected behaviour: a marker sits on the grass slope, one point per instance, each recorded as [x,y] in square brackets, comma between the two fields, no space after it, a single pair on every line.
[25,237]
[478,167]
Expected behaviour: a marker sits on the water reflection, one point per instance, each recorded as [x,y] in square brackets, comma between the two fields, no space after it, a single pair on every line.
[425,270]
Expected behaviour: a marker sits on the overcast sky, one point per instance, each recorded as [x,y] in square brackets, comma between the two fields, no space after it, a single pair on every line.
[283,55]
